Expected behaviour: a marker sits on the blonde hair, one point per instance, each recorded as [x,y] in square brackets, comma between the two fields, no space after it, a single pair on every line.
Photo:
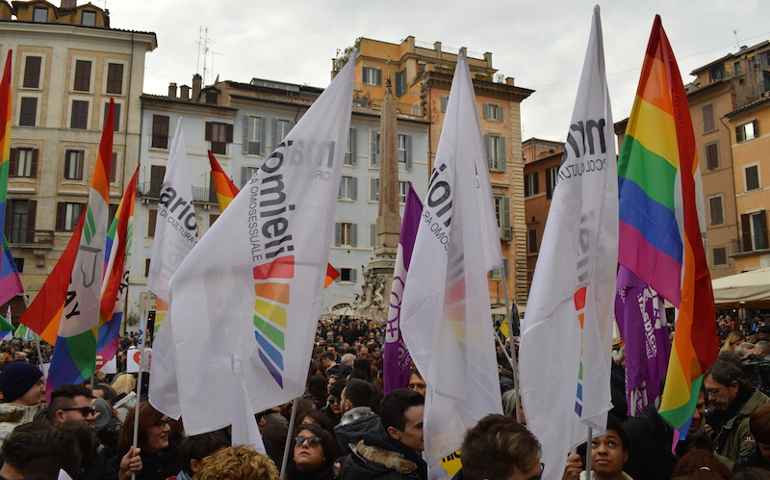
[124,383]
[237,463]
[733,339]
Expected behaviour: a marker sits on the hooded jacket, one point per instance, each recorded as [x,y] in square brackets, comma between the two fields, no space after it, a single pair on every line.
[734,439]
[12,415]
[356,423]
[380,457]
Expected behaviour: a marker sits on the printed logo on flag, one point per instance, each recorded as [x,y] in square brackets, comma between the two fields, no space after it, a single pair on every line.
[580,309]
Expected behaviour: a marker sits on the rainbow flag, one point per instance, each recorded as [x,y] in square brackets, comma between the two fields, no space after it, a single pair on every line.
[660,237]
[10,283]
[115,284]
[6,327]
[226,192]
[74,358]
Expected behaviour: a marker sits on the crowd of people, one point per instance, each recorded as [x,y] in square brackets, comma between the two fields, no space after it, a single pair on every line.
[346,429]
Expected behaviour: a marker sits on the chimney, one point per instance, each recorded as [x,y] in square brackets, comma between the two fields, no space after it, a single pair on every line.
[196,91]
[68,4]
[184,93]
[509,80]
[437,47]
[488,59]
[172,91]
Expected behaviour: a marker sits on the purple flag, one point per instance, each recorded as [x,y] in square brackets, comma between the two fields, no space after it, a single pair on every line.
[642,323]
[396,360]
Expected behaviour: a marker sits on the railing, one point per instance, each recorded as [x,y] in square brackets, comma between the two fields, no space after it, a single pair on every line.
[23,237]
[200,194]
[753,243]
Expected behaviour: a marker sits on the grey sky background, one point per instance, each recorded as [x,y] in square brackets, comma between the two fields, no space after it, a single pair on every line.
[541,44]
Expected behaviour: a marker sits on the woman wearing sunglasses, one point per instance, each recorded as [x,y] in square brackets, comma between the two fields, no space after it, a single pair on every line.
[333,409]
[160,456]
[314,454]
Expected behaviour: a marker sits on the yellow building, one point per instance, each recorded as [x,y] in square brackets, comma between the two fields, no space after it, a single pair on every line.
[421,76]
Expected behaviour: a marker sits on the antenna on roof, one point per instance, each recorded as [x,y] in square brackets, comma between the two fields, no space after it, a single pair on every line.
[737,42]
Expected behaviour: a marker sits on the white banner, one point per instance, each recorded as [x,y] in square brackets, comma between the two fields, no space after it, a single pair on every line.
[445,315]
[253,284]
[570,307]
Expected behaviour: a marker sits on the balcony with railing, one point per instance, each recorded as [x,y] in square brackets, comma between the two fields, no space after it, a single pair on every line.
[27,238]
[751,244]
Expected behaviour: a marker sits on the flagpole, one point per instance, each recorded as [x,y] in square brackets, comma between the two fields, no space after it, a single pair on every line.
[143,340]
[512,356]
[588,454]
[37,343]
[288,439]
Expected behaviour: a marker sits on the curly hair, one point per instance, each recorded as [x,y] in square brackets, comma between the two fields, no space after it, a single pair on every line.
[238,463]
[701,463]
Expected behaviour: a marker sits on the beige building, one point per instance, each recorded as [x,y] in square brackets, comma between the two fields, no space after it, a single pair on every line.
[421,76]
[729,102]
[67,64]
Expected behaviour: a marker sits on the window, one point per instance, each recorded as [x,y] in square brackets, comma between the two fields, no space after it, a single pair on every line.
[219,134]
[493,111]
[211,97]
[716,72]
[115,78]
[23,163]
[159,131]
[82,76]
[372,76]
[21,221]
[281,128]
[253,135]
[151,219]
[532,241]
[751,174]
[348,188]
[416,109]
[551,177]
[495,147]
[374,150]
[444,102]
[754,230]
[346,234]
[720,256]
[709,120]
[89,19]
[531,186]
[373,235]
[765,82]
[716,210]
[403,190]
[28,112]
[40,15]
[374,189]
[247,172]
[19,261]
[405,150]
[79,114]
[747,131]
[503,216]
[498,273]
[737,68]
[114,167]
[712,156]
[67,216]
[32,72]
[157,174]
[73,164]
[347,275]
[352,151]
[401,83]
[117,115]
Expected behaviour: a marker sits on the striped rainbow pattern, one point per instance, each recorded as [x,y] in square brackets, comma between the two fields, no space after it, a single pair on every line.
[660,236]
[10,283]
[74,358]
[116,272]
[225,188]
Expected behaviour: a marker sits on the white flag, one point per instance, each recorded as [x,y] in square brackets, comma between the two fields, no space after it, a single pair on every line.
[176,229]
[245,430]
[176,233]
[446,318]
[570,308]
[253,284]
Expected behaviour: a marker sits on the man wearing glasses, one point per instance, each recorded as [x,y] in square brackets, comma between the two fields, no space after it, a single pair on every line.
[75,403]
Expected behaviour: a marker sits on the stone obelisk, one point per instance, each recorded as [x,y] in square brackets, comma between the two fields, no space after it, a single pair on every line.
[378,276]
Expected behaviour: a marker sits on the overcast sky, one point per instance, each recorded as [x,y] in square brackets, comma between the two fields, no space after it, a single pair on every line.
[541,44]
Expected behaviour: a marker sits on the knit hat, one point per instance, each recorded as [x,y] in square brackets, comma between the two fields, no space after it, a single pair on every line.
[16,379]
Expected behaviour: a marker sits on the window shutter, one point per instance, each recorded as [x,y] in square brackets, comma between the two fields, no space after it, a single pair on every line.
[244,176]
[444,101]
[746,232]
[756,128]
[375,160]
[379,76]
[151,220]
[536,184]
[209,131]
[60,209]
[13,163]
[354,182]
[739,134]
[31,220]
[338,233]
[353,234]
[275,133]
[8,217]
[353,145]
[33,170]
[353,275]
[506,213]
[763,221]
[409,152]
[246,133]
[503,155]
[229,133]
[488,149]
[263,136]
[500,113]
[486,110]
